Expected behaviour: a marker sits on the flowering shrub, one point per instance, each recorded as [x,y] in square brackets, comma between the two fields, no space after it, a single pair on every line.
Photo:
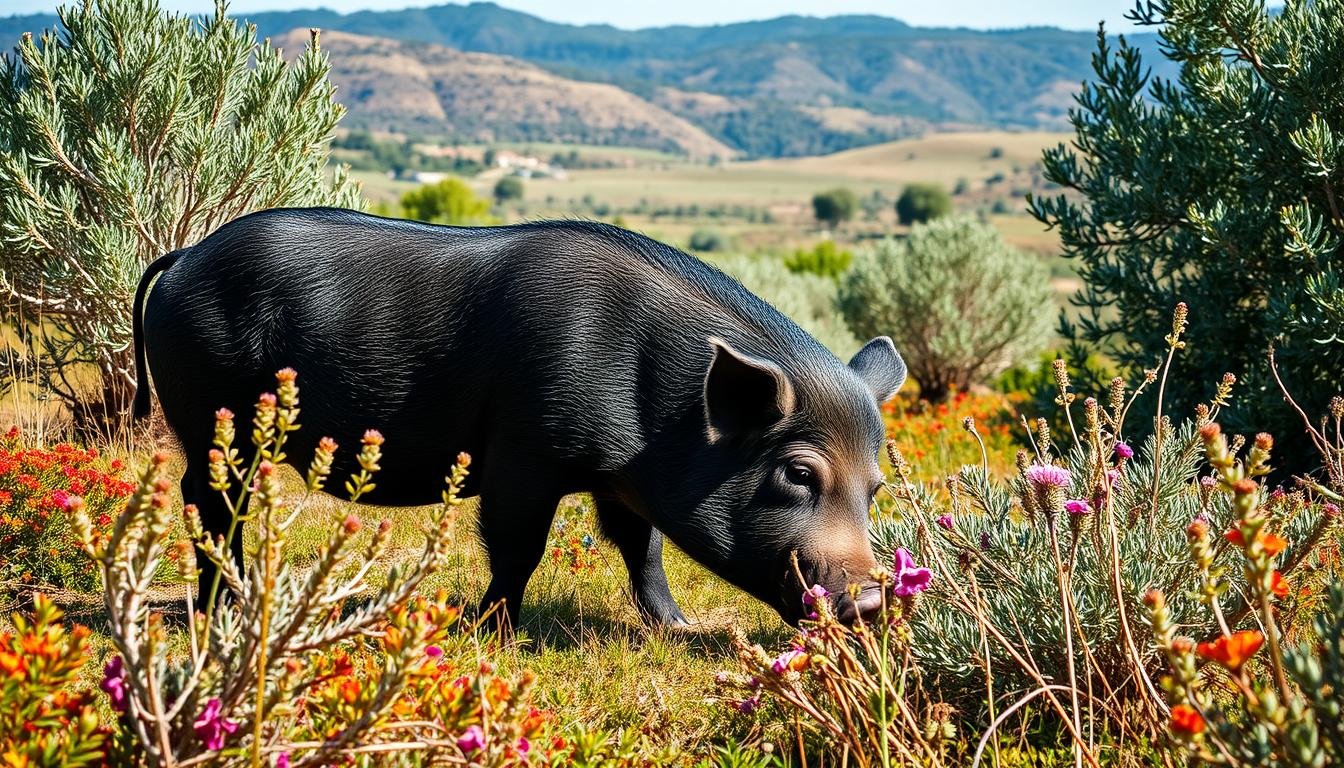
[1286,702]
[46,718]
[38,489]
[281,667]
[858,688]
[1036,579]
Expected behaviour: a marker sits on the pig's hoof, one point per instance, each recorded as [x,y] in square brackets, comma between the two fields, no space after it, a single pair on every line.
[671,618]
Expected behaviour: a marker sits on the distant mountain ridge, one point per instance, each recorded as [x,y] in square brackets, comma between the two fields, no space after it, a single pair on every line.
[792,85]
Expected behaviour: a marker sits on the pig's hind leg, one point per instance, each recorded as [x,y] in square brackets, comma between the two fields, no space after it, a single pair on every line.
[641,547]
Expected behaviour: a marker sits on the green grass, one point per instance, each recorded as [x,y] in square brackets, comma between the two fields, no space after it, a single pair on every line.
[596,664]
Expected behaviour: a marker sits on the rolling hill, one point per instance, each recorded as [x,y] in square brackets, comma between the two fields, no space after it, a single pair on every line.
[788,86]
[420,88]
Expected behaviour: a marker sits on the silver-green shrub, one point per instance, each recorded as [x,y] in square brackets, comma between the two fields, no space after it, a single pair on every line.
[960,303]
[129,132]
[807,299]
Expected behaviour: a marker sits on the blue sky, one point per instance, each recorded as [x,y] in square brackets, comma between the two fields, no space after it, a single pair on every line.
[632,14]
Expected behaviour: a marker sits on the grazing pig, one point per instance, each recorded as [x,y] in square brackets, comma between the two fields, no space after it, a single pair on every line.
[563,356]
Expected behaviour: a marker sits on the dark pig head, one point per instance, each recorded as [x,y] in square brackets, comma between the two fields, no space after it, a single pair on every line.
[789,465]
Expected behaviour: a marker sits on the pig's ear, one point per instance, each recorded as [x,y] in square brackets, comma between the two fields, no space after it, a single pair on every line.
[881,368]
[743,393]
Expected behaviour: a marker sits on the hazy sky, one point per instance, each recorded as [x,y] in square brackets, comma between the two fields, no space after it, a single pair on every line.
[631,14]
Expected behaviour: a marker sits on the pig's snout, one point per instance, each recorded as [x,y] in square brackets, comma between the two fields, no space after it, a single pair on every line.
[866,606]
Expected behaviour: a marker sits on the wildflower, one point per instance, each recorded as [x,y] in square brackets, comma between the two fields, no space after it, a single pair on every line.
[910,579]
[212,728]
[523,745]
[1124,451]
[1077,507]
[1232,651]
[471,740]
[813,596]
[1330,509]
[1048,477]
[433,651]
[1279,585]
[114,683]
[282,760]
[1186,720]
[750,705]
[1271,544]
[945,521]
[790,660]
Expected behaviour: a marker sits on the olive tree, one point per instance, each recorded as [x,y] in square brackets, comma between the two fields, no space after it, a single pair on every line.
[125,133]
[1221,187]
[960,303]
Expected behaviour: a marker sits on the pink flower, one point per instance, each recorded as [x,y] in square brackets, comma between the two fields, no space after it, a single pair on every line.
[114,683]
[1048,476]
[815,594]
[1077,507]
[471,740]
[749,706]
[1124,451]
[282,760]
[1113,477]
[523,745]
[945,521]
[782,662]
[212,727]
[433,651]
[1330,509]
[910,579]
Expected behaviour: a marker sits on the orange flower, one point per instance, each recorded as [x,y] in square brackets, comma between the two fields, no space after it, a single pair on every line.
[1232,651]
[1186,720]
[1273,544]
[1279,585]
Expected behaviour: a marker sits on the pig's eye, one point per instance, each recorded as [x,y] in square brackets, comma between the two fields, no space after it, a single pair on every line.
[800,474]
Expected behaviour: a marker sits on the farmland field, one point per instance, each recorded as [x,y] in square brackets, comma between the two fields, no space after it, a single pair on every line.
[653,192]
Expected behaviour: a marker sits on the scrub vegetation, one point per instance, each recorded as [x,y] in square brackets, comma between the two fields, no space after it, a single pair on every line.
[1127,555]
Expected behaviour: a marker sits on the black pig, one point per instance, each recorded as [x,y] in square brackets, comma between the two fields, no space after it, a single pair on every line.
[564,357]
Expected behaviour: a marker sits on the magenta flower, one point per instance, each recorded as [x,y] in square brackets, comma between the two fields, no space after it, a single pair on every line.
[783,660]
[749,706]
[1331,510]
[910,578]
[814,595]
[1048,476]
[1124,451]
[114,683]
[433,651]
[1113,477]
[1077,507]
[945,521]
[282,760]
[212,728]
[523,745]
[471,740]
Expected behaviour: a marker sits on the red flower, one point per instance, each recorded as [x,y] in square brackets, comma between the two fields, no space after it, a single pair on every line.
[1186,720]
